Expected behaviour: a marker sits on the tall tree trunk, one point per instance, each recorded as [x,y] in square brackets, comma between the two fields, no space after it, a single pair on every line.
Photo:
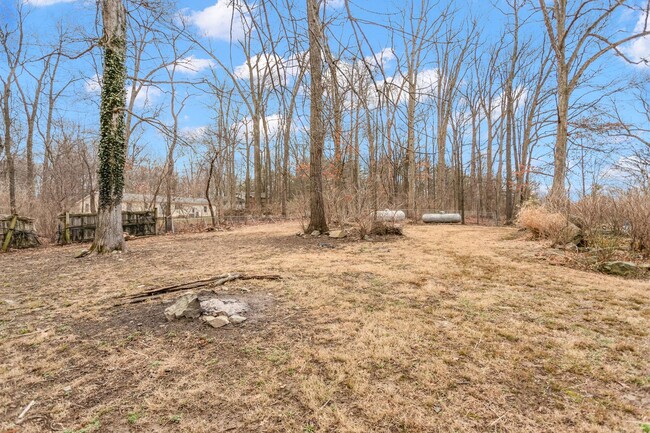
[9,157]
[207,188]
[337,111]
[410,148]
[112,145]
[317,219]
[247,181]
[286,139]
[169,187]
[558,190]
[509,145]
[257,163]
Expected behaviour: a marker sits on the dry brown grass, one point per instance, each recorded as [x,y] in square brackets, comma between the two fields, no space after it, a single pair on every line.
[447,329]
[544,223]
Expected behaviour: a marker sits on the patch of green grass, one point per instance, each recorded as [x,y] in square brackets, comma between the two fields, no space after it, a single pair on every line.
[278,356]
[132,337]
[175,419]
[574,396]
[645,428]
[133,417]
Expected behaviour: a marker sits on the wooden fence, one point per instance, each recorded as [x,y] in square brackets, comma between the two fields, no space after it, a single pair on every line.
[81,227]
[17,232]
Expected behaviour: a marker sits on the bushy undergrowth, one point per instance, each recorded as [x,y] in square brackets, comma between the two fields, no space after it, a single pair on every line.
[602,221]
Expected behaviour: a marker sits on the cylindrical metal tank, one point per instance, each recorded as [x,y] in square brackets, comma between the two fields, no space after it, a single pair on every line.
[390,215]
[441,218]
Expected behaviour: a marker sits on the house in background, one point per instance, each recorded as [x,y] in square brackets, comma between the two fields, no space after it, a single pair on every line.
[182,207]
[241,199]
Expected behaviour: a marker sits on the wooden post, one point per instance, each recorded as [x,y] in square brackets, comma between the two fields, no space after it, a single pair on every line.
[9,234]
[66,229]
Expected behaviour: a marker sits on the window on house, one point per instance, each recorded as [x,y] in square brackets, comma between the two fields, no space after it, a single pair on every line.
[205,208]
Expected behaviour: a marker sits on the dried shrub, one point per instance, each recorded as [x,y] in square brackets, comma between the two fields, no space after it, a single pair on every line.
[547,224]
[606,218]
[350,206]
[381,228]
[636,213]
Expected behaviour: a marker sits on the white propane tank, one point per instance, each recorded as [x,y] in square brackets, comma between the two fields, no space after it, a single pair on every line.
[390,215]
[441,218]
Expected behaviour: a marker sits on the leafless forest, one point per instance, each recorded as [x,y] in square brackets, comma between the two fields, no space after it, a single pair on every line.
[452,114]
[320,122]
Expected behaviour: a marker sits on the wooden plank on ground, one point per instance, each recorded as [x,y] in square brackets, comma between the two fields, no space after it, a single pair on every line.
[9,234]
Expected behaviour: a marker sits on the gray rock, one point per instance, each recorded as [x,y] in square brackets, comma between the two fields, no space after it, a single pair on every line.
[187,306]
[216,322]
[223,307]
[338,234]
[315,233]
[572,233]
[622,269]
[237,319]
[645,267]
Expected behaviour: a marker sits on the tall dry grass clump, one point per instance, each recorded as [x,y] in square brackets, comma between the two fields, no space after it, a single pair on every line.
[546,223]
[636,213]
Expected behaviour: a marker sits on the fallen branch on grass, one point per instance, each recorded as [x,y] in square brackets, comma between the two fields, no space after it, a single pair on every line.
[27,408]
[219,280]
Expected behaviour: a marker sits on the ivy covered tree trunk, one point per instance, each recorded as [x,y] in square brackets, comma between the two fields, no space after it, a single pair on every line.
[112,144]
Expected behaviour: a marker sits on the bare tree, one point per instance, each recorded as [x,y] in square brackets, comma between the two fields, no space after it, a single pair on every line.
[317,219]
[578,33]
[12,41]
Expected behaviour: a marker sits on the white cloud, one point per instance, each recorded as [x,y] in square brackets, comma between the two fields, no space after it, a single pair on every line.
[632,169]
[93,84]
[639,49]
[335,3]
[397,88]
[224,20]
[520,94]
[381,59]
[145,97]
[193,132]
[192,65]
[274,125]
[271,68]
[39,3]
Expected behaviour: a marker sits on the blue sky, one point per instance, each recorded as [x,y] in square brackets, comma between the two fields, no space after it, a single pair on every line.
[211,22]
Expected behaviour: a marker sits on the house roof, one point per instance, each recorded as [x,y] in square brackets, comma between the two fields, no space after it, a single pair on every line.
[129,197]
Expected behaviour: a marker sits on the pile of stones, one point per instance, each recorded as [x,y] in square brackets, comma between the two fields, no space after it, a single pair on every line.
[213,311]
